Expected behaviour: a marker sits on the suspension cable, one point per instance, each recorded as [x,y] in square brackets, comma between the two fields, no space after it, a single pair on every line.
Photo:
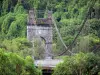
[82,25]
[60,35]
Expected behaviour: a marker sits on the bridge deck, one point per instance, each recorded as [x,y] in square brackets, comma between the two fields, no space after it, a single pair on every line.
[48,63]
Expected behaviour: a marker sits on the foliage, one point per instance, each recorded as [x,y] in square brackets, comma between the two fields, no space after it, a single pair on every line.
[6,23]
[39,48]
[69,15]
[95,26]
[19,8]
[14,25]
[19,45]
[13,64]
[79,64]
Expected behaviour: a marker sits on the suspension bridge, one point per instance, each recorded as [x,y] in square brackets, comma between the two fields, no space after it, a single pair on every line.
[41,27]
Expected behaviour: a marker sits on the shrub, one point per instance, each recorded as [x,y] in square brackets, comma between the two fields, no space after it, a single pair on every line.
[13,64]
[79,64]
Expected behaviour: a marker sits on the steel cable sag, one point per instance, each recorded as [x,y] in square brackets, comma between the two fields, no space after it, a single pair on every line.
[82,26]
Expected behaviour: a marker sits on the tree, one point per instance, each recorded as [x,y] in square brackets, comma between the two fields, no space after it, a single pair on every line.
[79,64]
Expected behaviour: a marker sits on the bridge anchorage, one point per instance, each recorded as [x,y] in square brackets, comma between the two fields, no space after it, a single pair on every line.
[40,27]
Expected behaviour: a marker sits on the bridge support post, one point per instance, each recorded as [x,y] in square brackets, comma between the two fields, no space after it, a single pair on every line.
[42,27]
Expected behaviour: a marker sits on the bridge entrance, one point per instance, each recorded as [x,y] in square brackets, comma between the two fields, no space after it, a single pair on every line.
[40,28]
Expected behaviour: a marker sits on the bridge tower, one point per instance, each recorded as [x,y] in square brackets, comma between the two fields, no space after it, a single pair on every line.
[40,28]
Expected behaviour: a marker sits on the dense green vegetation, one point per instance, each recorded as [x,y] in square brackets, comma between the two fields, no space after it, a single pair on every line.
[79,64]
[16,51]
[13,64]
